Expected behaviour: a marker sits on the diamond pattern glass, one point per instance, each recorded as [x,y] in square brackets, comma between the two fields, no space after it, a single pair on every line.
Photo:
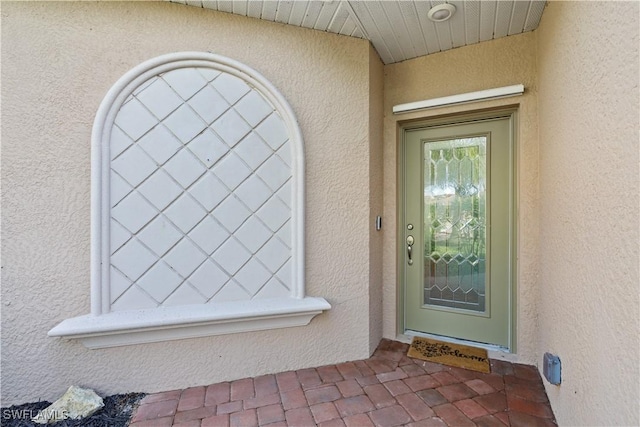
[160,189]
[455,240]
[284,152]
[230,87]
[209,235]
[208,73]
[253,150]
[273,131]
[252,276]
[118,235]
[184,168]
[133,299]
[209,278]
[273,289]
[231,213]
[160,144]
[133,212]
[185,213]
[284,234]
[119,142]
[134,165]
[200,193]
[159,282]
[134,119]
[208,148]
[133,259]
[253,234]
[231,256]
[274,254]
[209,104]
[231,171]
[119,189]
[185,81]
[160,99]
[185,295]
[119,284]
[231,127]
[254,108]
[232,291]
[253,192]
[209,191]
[184,258]
[160,235]
[284,274]
[273,172]
[274,214]
[185,123]
[284,193]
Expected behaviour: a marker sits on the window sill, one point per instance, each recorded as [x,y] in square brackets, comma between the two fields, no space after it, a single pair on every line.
[172,323]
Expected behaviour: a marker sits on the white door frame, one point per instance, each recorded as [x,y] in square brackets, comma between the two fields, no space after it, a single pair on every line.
[507,111]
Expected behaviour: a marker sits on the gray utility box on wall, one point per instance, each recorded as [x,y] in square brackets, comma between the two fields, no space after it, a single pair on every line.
[551,368]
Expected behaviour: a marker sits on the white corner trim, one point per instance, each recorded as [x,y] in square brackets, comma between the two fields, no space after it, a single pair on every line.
[481,95]
[164,324]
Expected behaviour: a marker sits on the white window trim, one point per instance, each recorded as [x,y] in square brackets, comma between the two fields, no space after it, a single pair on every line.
[171,323]
[108,329]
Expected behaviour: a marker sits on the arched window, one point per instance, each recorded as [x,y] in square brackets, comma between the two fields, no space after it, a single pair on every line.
[197,206]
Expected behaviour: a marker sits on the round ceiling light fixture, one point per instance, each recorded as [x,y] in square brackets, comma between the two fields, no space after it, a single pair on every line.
[441,12]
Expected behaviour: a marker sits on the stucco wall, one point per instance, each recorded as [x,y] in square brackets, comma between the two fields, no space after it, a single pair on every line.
[492,64]
[589,283]
[376,84]
[58,61]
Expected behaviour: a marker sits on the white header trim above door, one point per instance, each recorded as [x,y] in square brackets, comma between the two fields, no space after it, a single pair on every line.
[481,95]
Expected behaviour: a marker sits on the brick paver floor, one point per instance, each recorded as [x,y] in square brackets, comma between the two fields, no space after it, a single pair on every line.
[388,389]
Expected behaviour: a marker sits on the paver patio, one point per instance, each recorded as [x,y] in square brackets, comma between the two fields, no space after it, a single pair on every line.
[388,389]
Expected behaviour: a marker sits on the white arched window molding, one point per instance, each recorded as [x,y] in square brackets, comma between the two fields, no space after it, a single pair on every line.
[197,206]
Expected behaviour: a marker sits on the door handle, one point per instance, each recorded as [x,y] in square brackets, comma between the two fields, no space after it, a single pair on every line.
[410,242]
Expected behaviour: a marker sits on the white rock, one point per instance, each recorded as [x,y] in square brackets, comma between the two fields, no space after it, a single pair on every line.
[76,403]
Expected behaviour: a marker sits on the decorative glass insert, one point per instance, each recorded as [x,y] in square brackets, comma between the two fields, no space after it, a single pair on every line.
[455,213]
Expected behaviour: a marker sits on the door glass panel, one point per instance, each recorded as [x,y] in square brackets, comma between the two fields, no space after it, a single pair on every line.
[455,223]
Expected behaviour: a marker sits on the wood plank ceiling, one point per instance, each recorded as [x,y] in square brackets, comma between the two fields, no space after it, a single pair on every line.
[398,30]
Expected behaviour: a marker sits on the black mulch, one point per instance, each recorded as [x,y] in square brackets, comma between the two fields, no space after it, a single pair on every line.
[116,413]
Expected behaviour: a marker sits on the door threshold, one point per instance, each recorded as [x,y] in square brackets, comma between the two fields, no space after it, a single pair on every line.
[495,351]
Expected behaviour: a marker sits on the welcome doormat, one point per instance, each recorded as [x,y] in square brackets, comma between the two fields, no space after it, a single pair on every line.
[460,356]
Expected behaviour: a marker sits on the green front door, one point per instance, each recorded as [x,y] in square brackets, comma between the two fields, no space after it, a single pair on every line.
[458,230]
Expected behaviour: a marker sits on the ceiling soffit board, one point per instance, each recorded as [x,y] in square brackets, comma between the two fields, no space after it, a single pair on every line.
[331,16]
[398,30]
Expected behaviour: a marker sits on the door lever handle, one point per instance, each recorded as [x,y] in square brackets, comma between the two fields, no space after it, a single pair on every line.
[410,242]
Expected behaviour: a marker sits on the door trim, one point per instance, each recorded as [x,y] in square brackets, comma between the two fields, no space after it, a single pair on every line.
[510,112]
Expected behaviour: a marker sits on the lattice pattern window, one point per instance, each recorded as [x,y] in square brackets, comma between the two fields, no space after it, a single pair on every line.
[198,178]
[200,194]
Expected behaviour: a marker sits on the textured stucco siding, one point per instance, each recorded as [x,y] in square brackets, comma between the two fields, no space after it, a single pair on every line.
[502,62]
[589,188]
[376,84]
[58,61]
